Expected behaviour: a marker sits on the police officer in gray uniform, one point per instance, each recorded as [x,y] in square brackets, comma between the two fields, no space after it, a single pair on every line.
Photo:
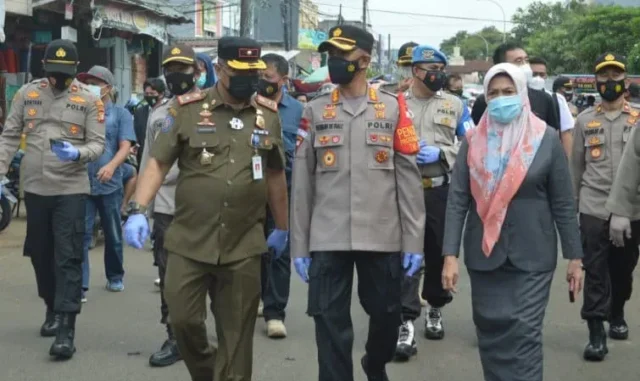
[600,136]
[356,202]
[440,121]
[64,127]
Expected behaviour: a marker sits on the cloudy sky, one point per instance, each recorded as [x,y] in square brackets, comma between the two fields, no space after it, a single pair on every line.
[405,21]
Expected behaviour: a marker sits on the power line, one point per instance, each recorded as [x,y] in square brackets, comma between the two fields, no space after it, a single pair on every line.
[421,14]
[203,9]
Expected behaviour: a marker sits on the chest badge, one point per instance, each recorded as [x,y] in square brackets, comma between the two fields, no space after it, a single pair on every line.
[206,157]
[32,112]
[259,119]
[596,152]
[74,130]
[205,116]
[236,124]
[329,158]
[324,139]
[382,156]
[329,112]
[380,110]
[594,124]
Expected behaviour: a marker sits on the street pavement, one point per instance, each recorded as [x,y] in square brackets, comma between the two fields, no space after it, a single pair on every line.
[116,333]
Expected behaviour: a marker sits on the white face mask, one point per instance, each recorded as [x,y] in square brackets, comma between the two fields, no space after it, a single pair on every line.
[95,90]
[537,83]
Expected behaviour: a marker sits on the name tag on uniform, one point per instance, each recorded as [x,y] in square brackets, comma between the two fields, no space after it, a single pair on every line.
[256,165]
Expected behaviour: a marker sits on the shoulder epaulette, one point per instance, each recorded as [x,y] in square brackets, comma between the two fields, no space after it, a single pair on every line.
[268,103]
[190,98]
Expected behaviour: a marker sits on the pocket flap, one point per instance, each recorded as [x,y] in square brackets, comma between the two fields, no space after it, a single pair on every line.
[203,140]
[376,138]
[329,140]
[73,117]
[261,141]
[445,120]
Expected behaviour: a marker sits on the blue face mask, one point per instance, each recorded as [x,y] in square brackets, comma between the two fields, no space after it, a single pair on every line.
[202,80]
[505,109]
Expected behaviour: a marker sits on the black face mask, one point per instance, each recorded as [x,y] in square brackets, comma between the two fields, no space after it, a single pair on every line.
[611,90]
[342,71]
[179,83]
[434,80]
[151,100]
[242,87]
[63,81]
[568,96]
[267,89]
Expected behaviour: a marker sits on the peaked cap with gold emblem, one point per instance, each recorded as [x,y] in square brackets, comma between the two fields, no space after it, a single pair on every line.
[610,59]
[61,56]
[405,54]
[241,53]
[347,38]
[179,53]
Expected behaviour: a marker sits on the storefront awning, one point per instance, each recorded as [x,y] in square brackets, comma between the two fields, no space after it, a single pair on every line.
[118,16]
[160,8]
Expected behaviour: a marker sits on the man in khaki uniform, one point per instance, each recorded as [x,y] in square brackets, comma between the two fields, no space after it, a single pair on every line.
[356,200]
[600,136]
[228,144]
[403,73]
[440,120]
[624,200]
[64,127]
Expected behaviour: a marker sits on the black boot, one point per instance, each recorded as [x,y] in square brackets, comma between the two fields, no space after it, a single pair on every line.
[373,374]
[51,324]
[596,350]
[618,329]
[63,347]
[168,353]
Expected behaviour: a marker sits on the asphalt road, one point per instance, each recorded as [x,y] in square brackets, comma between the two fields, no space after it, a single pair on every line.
[116,333]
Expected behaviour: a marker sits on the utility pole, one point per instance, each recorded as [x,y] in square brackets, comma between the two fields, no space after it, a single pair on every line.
[380,53]
[364,14]
[389,53]
[285,9]
[245,17]
[340,15]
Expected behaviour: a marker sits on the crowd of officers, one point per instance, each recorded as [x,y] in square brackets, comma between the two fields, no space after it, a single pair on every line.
[214,159]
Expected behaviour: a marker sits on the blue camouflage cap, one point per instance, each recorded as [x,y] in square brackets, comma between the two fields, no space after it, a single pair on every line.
[428,54]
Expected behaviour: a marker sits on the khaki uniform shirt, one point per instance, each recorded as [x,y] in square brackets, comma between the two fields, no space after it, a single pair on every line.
[164,201]
[220,209]
[597,150]
[73,115]
[436,120]
[356,185]
[624,199]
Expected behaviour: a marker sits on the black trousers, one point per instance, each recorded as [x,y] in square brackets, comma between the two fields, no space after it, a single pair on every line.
[435,200]
[160,224]
[275,280]
[608,269]
[55,230]
[329,303]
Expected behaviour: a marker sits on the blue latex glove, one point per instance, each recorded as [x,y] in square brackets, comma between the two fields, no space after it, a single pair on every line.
[428,154]
[136,230]
[412,262]
[278,240]
[302,268]
[66,151]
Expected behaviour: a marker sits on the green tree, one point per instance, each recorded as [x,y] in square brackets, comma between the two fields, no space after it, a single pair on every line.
[542,16]
[472,45]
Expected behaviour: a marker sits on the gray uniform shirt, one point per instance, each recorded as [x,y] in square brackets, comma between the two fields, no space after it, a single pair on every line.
[73,115]
[436,120]
[624,198]
[356,185]
[165,200]
[598,142]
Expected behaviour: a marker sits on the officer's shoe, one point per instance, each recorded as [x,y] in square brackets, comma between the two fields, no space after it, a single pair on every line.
[63,347]
[167,355]
[618,329]
[373,374]
[406,346]
[433,329]
[597,349]
[50,325]
[276,329]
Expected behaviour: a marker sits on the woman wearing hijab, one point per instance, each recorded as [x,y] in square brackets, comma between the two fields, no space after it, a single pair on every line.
[207,75]
[514,190]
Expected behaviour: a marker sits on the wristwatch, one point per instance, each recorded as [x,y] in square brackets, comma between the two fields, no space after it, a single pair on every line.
[136,208]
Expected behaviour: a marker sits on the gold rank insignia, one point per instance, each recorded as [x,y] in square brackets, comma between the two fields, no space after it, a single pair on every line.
[32,112]
[380,114]
[373,95]
[74,130]
[410,51]
[337,32]
[594,124]
[447,105]
[33,95]
[379,106]
[173,112]
[609,57]
[329,158]
[635,113]
[385,138]
[335,96]
[594,140]
[260,121]
[175,51]
[324,139]
[205,114]
[74,88]
[596,152]
[328,114]
[382,156]
[77,99]
[632,120]
[61,53]
[206,157]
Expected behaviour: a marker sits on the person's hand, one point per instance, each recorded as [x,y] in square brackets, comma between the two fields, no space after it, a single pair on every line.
[574,276]
[302,268]
[450,273]
[66,151]
[619,229]
[278,240]
[136,230]
[411,262]
[105,173]
[428,154]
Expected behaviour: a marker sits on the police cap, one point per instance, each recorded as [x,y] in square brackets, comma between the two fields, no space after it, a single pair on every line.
[610,59]
[561,82]
[347,38]
[61,56]
[179,53]
[405,54]
[428,54]
[241,53]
